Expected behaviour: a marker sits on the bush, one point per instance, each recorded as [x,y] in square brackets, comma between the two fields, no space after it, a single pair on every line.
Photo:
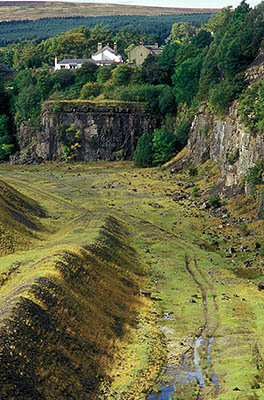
[144,151]
[214,201]
[164,145]
[121,75]
[90,90]
[103,74]
[261,250]
[254,175]
[193,171]
[182,133]
[233,157]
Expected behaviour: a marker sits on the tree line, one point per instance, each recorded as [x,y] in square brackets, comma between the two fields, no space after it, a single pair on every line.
[41,29]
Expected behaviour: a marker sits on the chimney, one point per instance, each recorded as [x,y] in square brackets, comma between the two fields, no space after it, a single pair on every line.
[156,45]
[115,48]
[56,63]
[99,47]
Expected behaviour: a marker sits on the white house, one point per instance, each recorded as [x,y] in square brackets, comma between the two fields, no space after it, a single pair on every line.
[106,53]
[104,56]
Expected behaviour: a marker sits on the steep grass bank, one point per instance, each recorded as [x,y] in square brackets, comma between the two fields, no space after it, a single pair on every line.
[20,224]
[62,326]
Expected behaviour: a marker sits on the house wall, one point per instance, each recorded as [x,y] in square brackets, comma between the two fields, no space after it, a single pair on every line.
[138,54]
[106,55]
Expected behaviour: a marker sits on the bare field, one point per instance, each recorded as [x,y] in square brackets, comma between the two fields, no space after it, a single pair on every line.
[21,10]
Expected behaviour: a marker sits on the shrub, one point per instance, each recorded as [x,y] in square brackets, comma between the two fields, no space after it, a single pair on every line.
[261,250]
[254,174]
[214,201]
[182,133]
[193,171]
[195,191]
[90,90]
[103,74]
[233,157]
[121,75]
[144,151]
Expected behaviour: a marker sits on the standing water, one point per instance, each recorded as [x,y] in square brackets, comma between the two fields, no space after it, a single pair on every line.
[183,374]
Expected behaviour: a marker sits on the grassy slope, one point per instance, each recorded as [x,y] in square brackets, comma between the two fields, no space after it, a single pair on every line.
[17,10]
[77,199]
[20,225]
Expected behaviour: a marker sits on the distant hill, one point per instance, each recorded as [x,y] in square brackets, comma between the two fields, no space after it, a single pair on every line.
[41,29]
[32,10]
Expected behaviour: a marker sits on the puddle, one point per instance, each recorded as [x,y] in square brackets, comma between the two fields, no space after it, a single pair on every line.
[182,375]
[185,374]
[214,377]
[166,315]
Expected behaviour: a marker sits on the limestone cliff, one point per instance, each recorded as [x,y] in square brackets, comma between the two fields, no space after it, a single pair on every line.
[86,131]
[225,141]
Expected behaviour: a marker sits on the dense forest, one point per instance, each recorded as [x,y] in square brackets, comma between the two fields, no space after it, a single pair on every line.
[198,64]
[41,29]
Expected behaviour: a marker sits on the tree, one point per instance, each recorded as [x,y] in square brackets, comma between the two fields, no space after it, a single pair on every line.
[181,32]
[87,73]
[143,154]
[202,39]
[152,72]
[167,104]
[6,145]
[186,79]
[28,103]
[164,143]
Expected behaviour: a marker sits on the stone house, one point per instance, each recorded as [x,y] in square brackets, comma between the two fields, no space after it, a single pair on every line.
[139,53]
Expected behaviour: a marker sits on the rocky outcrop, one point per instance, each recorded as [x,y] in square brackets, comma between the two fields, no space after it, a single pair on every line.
[226,142]
[86,131]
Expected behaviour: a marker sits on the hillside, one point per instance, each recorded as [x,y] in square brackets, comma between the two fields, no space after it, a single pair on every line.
[17,10]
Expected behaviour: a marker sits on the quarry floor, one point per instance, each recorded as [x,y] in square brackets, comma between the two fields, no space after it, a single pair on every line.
[195,282]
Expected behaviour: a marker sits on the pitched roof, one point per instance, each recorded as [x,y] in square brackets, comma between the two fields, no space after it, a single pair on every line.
[75,61]
[104,48]
[154,49]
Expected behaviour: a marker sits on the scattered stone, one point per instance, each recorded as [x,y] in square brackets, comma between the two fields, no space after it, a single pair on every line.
[261,286]
[145,293]
[205,206]
[244,248]
[247,264]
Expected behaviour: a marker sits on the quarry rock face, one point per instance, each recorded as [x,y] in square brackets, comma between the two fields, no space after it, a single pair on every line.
[226,142]
[86,131]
